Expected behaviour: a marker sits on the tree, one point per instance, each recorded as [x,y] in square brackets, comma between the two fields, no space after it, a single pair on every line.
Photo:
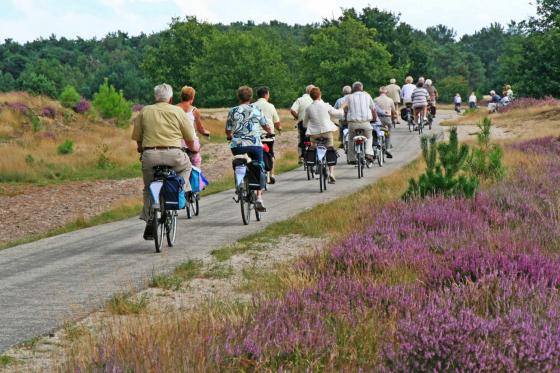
[448,87]
[69,97]
[236,58]
[111,104]
[7,82]
[342,53]
[37,84]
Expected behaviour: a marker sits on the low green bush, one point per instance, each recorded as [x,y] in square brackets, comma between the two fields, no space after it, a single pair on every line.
[69,97]
[67,147]
[111,104]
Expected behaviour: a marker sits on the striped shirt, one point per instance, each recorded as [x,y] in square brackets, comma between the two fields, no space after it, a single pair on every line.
[360,105]
[420,97]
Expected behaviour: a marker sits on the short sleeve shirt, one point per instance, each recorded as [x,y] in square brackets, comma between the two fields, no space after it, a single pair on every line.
[268,111]
[245,121]
[301,104]
[386,104]
[162,124]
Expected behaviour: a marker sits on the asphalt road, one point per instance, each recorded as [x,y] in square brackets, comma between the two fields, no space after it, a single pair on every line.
[45,283]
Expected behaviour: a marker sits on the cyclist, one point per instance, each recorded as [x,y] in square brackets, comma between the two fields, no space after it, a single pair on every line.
[272,119]
[458,102]
[317,120]
[394,93]
[386,112]
[297,110]
[407,89]
[472,100]
[361,111]
[343,123]
[158,131]
[433,92]
[187,99]
[243,129]
[420,99]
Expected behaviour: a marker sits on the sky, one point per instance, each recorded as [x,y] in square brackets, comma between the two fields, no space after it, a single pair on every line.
[26,20]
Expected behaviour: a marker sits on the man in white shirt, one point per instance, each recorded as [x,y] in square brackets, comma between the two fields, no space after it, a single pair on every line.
[272,119]
[298,110]
[407,89]
[361,111]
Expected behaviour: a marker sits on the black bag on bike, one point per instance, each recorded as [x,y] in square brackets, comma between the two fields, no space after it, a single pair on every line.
[268,161]
[433,110]
[255,176]
[332,157]
[173,192]
[403,113]
[310,156]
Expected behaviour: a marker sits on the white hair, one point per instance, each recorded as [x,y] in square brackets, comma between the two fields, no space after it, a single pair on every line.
[421,79]
[383,89]
[163,92]
[428,82]
[309,88]
[346,90]
[393,81]
[357,86]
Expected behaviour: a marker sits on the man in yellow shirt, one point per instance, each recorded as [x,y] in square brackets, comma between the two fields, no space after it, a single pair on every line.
[158,131]
[272,119]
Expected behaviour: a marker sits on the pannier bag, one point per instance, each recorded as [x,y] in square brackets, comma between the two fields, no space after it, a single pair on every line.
[256,177]
[332,157]
[403,113]
[197,180]
[433,110]
[310,156]
[267,157]
[173,192]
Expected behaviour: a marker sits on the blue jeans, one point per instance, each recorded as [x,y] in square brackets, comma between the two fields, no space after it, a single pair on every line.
[256,154]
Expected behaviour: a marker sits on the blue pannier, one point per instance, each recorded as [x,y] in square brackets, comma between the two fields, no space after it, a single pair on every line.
[173,192]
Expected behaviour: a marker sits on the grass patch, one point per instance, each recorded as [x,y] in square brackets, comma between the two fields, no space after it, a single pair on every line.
[218,271]
[31,343]
[127,304]
[6,360]
[73,332]
[184,272]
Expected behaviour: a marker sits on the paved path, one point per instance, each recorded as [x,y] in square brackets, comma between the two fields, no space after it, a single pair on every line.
[45,283]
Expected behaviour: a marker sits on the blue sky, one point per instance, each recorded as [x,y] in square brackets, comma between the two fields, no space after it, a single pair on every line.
[25,20]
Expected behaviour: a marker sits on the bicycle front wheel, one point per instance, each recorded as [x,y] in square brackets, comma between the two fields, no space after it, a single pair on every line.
[171,227]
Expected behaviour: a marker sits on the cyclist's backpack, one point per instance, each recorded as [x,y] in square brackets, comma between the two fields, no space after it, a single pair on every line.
[173,192]
[332,157]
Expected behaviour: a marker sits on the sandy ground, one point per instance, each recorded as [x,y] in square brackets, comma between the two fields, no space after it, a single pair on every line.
[45,352]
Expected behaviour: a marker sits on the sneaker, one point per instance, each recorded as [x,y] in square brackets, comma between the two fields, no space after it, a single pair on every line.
[389,155]
[332,180]
[149,232]
[272,180]
[259,206]
[300,161]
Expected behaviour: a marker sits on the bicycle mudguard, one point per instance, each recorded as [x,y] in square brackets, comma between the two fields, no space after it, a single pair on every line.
[155,189]
[321,152]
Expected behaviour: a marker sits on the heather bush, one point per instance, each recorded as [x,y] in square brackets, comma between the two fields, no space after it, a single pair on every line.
[83,106]
[69,97]
[528,102]
[19,107]
[444,162]
[49,112]
[111,104]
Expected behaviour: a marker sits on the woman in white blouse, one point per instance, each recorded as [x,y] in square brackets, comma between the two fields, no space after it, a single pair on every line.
[317,119]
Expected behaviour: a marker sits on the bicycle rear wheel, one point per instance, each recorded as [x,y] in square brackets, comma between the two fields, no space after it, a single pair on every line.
[325,173]
[157,229]
[171,227]
[253,200]
[245,202]
[321,178]
[196,206]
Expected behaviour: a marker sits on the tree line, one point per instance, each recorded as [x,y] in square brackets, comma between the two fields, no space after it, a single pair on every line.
[370,45]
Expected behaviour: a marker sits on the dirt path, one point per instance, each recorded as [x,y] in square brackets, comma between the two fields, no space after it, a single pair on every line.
[30,210]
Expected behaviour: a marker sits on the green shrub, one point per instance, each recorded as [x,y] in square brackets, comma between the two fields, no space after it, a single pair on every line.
[103,161]
[36,124]
[485,161]
[450,86]
[29,159]
[67,147]
[444,163]
[111,104]
[69,97]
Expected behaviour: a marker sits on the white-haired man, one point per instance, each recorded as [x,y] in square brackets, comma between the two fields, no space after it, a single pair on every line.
[361,111]
[158,131]
[386,112]
[394,93]
[298,110]
[342,123]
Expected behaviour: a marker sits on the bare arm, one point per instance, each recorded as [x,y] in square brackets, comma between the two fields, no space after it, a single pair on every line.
[198,123]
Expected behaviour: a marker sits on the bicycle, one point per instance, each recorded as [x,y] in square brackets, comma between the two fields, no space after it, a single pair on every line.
[345,140]
[268,139]
[380,145]
[360,151]
[409,117]
[321,167]
[245,189]
[192,205]
[164,221]
[307,164]
[421,120]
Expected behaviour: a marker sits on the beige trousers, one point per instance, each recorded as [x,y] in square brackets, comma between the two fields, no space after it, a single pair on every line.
[175,158]
[366,127]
